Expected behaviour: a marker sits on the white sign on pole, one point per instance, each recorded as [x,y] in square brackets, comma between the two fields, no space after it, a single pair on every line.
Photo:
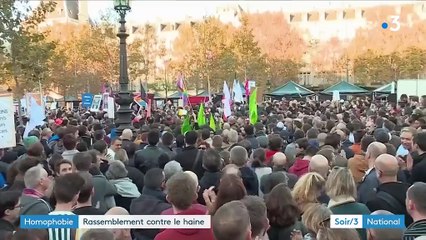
[96,103]
[336,96]
[7,122]
[111,107]
[252,84]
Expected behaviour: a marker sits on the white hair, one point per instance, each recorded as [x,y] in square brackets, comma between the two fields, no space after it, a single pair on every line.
[193,176]
[171,168]
[33,176]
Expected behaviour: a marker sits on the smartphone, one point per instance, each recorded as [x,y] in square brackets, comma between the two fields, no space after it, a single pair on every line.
[403,157]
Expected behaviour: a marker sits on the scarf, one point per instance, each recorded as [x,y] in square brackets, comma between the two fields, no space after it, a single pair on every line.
[32,193]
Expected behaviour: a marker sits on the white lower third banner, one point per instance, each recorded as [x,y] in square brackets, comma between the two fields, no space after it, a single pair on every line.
[117,221]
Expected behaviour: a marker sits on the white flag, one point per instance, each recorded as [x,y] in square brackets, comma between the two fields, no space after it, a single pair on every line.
[238,93]
[226,100]
[37,115]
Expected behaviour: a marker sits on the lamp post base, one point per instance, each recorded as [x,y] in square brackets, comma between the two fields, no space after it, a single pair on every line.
[124,113]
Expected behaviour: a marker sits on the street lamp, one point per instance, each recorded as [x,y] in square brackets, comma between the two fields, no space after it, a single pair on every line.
[123,99]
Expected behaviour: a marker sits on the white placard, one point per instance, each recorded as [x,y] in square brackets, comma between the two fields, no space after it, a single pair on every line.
[111,107]
[252,84]
[96,103]
[336,96]
[7,122]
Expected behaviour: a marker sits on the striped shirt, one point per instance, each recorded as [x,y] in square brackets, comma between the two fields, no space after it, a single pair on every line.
[415,229]
[60,233]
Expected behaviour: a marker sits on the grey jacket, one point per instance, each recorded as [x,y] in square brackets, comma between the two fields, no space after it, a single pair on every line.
[34,206]
[104,191]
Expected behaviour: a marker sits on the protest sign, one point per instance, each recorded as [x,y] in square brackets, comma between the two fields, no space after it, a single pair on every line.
[7,121]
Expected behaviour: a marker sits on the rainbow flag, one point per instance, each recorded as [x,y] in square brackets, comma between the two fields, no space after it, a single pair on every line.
[181,88]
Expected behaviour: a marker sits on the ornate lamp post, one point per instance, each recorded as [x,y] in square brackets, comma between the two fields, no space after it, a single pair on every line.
[124,113]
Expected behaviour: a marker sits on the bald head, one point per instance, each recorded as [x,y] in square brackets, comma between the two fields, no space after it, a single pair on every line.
[375,149]
[279,159]
[385,233]
[117,211]
[319,164]
[387,165]
[231,169]
[231,222]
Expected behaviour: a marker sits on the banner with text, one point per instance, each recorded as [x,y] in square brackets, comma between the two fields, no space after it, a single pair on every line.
[7,121]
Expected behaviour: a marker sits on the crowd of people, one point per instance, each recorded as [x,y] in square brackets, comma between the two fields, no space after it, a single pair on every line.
[280,178]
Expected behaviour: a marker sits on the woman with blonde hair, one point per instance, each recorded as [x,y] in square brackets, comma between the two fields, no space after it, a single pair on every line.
[341,189]
[316,217]
[337,234]
[308,189]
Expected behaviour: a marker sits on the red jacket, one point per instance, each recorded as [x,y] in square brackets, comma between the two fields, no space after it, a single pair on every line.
[299,167]
[186,234]
[195,206]
[269,154]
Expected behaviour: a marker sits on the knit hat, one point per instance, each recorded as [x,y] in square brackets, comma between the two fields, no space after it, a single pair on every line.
[28,141]
[116,170]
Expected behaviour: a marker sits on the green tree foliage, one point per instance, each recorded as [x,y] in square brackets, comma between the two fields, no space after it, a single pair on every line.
[373,67]
[25,47]
[143,52]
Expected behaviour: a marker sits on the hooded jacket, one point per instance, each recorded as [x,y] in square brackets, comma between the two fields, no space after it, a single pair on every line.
[126,188]
[299,167]
[187,234]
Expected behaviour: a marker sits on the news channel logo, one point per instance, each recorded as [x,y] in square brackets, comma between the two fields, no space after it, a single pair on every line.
[394,24]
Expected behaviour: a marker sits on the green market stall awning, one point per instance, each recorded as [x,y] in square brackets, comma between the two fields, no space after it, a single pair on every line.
[388,88]
[203,94]
[344,87]
[175,95]
[291,88]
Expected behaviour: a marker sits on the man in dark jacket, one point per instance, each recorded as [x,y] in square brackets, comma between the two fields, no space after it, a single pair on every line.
[249,131]
[370,181]
[133,173]
[152,156]
[212,175]
[151,202]
[166,145]
[190,157]
[390,194]
[239,157]
[416,161]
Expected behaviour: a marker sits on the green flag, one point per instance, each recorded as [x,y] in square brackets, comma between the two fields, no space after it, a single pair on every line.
[186,126]
[253,107]
[201,119]
[212,123]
